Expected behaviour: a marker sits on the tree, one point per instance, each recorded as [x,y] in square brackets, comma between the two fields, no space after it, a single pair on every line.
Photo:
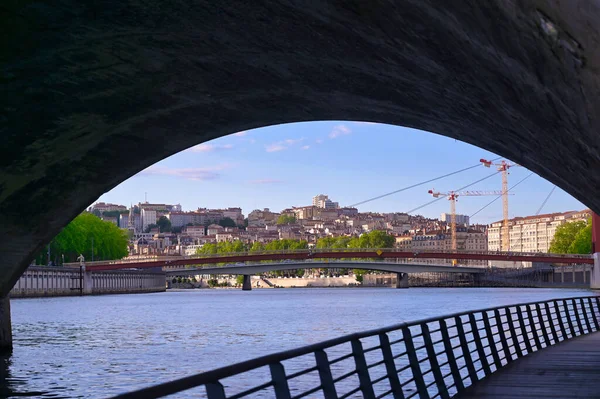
[87,233]
[286,219]
[565,236]
[150,227]
[114,214]
[257,247]
[358,274]
[582,244]
[239,279]
[164,224]
[227,222]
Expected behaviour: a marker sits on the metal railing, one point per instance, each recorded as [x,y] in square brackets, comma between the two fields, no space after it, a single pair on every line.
[315,252]
[431,358]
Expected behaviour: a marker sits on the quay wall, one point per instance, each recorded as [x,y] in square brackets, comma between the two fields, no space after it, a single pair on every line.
[40,281]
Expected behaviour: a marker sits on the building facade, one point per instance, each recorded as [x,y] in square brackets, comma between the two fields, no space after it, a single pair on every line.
[460,219]
[531,233]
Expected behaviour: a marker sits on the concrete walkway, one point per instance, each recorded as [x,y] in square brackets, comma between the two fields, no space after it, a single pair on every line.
[570,369]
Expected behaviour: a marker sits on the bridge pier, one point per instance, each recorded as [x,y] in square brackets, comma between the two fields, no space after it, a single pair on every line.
[5,326]
[247,285]
[595,274]
[401,280]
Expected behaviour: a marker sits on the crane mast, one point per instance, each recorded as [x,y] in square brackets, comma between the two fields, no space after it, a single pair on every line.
[503,167]
[453,197]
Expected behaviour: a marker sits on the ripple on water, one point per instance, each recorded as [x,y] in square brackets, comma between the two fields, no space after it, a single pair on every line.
[88,347]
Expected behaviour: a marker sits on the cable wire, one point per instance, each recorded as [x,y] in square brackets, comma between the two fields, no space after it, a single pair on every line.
[417,185]
[500,196]
[546,200]
[460,189]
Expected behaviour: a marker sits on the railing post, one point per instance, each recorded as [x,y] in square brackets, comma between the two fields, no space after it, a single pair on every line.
[478,344]
[327,383]
[280,384]
[390,366]
[215,390]
[451,358]
[414,363]
[465,350]
[433,362]
[513,333]
[534,331]
[577,317]
[563,330]
[543,324]
[551,323]
[524,329]
[491,340]
[361,369]
[594,315]
[505,348]
[585,316]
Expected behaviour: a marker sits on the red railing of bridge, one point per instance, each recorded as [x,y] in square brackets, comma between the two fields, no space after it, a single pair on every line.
[356,253]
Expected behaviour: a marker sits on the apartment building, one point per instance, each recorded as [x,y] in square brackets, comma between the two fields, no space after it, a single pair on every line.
[532,233]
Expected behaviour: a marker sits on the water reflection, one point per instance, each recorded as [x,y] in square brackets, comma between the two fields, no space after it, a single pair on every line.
[100,346]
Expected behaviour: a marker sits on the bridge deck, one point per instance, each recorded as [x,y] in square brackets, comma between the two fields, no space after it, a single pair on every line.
[567,370]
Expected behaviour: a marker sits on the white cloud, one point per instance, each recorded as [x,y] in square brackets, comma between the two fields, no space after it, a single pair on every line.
[305,147]
[211,147]
[241,134]
[265,181]
[339,130]
[275,147]
[282,145]
[319,141]
[196,174]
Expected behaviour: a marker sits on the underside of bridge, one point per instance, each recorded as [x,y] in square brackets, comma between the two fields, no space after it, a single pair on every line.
[93,92]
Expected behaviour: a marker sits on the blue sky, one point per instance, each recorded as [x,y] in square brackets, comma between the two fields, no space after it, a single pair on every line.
[286,165]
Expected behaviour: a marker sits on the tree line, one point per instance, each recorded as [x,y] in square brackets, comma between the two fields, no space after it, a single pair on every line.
[89,236]
[373,239]
[573,238]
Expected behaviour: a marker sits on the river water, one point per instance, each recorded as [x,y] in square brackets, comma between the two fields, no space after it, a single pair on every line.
[98,346]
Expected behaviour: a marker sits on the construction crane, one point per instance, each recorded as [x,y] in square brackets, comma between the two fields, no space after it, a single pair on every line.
[453,197]
[503,166]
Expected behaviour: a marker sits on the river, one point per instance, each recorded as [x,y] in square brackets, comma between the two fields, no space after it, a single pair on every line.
[97,346]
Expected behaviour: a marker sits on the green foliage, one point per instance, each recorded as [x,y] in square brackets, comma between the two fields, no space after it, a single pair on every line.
[115,214]
[239,279]
[109,241]
[359,273]
[285,244]
[257,247]
[164,224]
[150,227]
[373,239]
[286,219]
[174,280]
[573,238]
[300,272]
[213,282]
[582,244]
[222,248]
[227,222]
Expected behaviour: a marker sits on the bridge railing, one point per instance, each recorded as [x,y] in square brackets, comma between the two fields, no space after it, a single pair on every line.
[315,252]
[431,358]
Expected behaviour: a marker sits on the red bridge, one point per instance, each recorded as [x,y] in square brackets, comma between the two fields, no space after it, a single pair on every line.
[359,253]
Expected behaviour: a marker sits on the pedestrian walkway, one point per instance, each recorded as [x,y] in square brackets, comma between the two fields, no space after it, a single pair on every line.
[570,369]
